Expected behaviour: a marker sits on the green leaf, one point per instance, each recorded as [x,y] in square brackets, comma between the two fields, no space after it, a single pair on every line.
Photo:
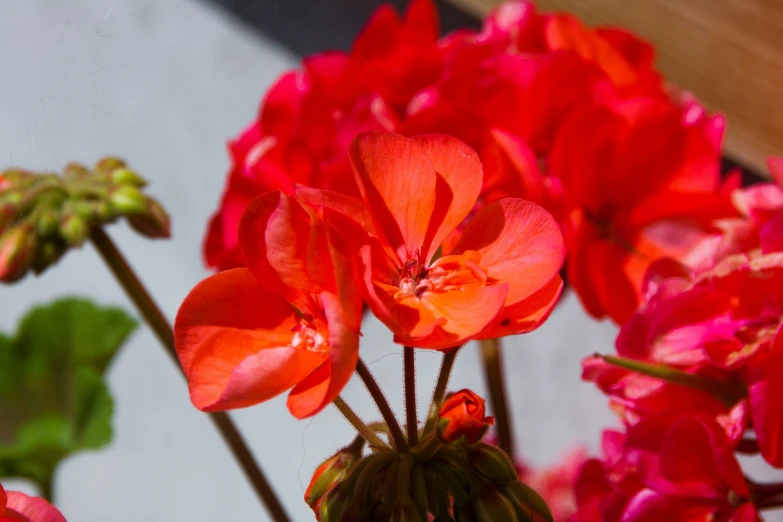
[53,401]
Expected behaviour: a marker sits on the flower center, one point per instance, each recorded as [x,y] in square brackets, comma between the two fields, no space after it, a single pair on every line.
[447,274]
[307,337]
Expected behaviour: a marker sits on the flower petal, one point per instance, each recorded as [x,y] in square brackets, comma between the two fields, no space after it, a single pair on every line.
[29,509]
[397,182]
[458,185]
[233,340]
[323,385]
[765,390]
[274,234]
[525,315]
[520,244]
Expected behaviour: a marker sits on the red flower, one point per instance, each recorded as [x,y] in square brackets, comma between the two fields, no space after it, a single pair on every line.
[635,194]
[18,507]
[291,319]
[689,472]
[724,326]
[626,60]
[501,278]
[463,414]
[556,483]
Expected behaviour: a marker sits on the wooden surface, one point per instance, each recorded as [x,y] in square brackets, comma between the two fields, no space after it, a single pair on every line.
[728,52]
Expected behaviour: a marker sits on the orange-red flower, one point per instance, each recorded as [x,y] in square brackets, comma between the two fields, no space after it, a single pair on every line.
[291,319]
[501,278]
[18,507]
[463,414]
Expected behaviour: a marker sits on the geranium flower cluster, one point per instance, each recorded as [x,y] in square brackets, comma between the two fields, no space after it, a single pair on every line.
[572,118]
[697,380]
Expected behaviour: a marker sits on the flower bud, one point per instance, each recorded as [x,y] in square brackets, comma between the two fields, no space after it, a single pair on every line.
[109,164]
[492,506]
[492,463]
[17,249]
[48,223]
[74,230]
[126,199]
[525,500]
[335,504]
[333,471]
[124,176]
[48,253]
[405,510]
[154,222]
[464,513]
[75,170]
[462,414]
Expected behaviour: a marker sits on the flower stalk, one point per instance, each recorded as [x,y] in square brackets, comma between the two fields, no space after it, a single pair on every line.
[383,405]
[160,325]
[493,373]
[364,430]
[440,388]
[409,371]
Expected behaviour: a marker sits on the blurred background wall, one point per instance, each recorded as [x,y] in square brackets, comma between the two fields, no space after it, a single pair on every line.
[165,84]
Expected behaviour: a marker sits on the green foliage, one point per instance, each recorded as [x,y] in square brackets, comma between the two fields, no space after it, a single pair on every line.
[53,401]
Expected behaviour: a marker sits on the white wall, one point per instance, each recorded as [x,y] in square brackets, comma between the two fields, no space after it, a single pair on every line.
[165,84]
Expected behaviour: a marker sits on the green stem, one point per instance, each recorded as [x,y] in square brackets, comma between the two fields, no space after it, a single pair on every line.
[383,405]
[160,325]
[46,487]
[409,370]
[364,430]
[726,393]
[440,389]
[493,372]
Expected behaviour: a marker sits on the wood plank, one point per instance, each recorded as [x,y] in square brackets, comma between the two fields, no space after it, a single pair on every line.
[727,52]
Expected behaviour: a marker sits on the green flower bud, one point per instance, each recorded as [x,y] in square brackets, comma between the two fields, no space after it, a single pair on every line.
[333,471]
[492,506]
[17,250]
[48,223]
[492,463]
[74,230]
[465,513]
[525,498]
[123,176]
[48,253]
[75,170]
[335,504]
[405,511]
[109,164]
[128,200]
[154,222]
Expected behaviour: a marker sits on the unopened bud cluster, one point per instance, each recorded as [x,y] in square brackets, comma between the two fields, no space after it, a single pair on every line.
[440,479]
[43,215]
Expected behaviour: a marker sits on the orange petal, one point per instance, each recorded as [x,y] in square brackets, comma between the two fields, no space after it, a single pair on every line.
[460,315]
[233,341]
[397,182]
[322,386]
[526,315]
[520,244]
[274,233]
[459,181]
